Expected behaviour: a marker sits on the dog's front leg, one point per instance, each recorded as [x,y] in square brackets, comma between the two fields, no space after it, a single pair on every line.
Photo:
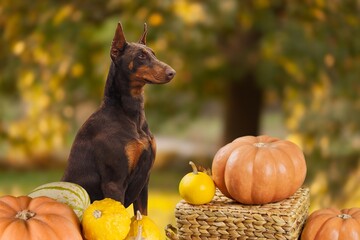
[141,203]
[114,190]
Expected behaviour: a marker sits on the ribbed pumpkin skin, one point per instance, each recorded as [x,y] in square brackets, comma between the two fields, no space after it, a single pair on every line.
[218,167]
[259,170]
[333,224]
[52,220]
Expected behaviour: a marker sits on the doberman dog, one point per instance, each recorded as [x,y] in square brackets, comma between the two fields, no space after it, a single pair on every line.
[114,150]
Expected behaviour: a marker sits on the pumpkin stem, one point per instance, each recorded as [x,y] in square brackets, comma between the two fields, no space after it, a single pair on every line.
[97,214]
[138,215]
[344,216]
[260,144]
[194,168]
[25,214]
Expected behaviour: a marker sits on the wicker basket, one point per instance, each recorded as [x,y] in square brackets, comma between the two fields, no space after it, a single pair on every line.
[224,218]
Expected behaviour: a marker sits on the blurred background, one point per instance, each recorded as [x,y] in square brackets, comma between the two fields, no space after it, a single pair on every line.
[289,69]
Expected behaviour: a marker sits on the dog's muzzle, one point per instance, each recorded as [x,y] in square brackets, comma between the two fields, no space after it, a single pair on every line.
[170,73]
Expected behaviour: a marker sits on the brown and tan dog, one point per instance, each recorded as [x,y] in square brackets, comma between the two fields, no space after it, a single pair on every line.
[114,150]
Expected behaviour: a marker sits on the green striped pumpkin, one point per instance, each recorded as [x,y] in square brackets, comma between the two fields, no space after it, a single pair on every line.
[65,192]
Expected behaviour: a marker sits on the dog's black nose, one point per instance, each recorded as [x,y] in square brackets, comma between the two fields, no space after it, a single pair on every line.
[170,73]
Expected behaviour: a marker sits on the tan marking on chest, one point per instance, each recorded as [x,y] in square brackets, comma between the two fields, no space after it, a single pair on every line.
[133,151]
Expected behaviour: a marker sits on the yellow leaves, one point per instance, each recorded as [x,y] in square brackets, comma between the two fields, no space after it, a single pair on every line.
[41,56]
[318,14]
[319,189]
[77,70]
[160,44]
[67,12]
[34,136]
[306,143]
[319,93]
[190,12]
[329,60]
[292,69]
[26,79]
[296,114]
[15,130]
[18,47]
[352,190]
[213,62]
[42,101]
[59,94]
[317,90]
[40,128]
[11,28]
[156,19]
[34,96]
[324,144]
[46,57]
[261,3]
[64,66]
[63,13]
[320,3]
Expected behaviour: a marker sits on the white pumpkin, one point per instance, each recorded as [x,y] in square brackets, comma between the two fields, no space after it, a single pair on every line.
[71,194]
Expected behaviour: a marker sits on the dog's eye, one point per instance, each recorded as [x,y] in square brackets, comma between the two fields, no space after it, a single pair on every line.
[142,56]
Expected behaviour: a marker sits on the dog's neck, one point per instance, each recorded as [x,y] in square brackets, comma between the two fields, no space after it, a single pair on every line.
[119,92]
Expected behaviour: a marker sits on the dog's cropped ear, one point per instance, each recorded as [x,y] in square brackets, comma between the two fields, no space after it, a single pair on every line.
[118,42]
[143,37]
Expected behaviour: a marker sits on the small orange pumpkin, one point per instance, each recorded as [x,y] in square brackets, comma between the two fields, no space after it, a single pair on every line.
[37,218]
[259,170]
[333,224]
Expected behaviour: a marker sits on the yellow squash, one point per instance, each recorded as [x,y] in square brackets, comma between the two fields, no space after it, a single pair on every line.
[142,227]
[197,187]
[106,219]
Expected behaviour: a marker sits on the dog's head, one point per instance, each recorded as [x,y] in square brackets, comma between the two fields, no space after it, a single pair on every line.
[138,60]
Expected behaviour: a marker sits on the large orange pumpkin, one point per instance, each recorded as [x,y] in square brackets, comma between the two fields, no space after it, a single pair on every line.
[333,224]
[258,170]
[26,218]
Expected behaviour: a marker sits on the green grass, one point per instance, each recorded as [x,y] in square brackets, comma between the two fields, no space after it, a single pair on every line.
[21,182]
[25,181]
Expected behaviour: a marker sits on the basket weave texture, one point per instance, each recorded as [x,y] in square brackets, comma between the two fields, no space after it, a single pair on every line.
[224,218]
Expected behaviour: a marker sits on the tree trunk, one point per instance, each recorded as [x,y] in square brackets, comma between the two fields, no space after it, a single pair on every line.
[243,104]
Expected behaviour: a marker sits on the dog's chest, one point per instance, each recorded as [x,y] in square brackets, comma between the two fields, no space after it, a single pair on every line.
[135,148]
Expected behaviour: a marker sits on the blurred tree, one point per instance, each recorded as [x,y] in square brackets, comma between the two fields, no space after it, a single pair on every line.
[307,51]
[322,101]
[46,51]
